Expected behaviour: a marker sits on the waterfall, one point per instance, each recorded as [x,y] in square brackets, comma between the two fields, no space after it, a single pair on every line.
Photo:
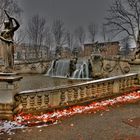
[59,68]
[50,71]
[82,71]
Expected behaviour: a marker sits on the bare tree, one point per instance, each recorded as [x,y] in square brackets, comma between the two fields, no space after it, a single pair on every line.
[59,35]
[11,6]
[80,35]
[48,40]
[36,32]
[92,29]
[124,18]
[104,32]
[70,40]
[20,38]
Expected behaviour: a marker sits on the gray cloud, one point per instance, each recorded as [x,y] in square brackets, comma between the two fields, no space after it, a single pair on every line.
[73,12]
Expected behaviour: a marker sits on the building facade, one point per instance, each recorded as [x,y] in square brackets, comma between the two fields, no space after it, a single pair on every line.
[104,48]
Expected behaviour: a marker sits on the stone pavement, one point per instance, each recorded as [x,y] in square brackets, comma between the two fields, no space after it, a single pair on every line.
[119,123]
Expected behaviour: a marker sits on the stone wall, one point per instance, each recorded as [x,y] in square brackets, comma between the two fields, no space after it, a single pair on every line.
[37,67]
[114,65]
[107,67]
[44,99]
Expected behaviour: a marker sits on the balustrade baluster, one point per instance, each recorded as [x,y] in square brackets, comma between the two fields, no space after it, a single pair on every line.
[75,94]
[63,97]
[88,91]
[70,93]
[110,87]
[39,100]
[24,101]
[94,90]
[32,101]
[82,94]
[46,99]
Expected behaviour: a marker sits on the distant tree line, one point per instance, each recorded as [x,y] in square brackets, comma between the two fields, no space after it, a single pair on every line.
[122,21]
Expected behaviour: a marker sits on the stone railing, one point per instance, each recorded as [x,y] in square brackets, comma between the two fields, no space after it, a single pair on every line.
[44,99]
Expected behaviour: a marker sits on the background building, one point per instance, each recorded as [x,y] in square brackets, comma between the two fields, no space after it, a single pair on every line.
[104,48]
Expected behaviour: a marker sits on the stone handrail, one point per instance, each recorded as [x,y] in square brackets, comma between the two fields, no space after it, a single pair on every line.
[43,99]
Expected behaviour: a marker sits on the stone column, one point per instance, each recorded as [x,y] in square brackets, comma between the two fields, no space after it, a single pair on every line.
[9,87]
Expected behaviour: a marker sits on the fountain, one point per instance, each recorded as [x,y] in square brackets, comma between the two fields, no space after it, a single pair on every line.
[75,69]
[82,71]
[59,68]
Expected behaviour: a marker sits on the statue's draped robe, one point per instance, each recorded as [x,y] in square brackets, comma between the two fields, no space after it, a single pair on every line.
[7,51]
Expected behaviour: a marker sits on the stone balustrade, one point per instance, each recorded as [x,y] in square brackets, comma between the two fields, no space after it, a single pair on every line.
[44,99]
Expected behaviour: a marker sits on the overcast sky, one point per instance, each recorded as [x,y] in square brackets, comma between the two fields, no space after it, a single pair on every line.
[73,12]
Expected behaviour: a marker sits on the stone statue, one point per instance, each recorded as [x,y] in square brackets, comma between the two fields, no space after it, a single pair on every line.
[72,66]
[137,53]
[90,69]
[6,38]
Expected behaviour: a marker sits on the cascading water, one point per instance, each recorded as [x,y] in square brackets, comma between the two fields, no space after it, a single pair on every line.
[59,68]
[51,69]
[62,68]
[82,71]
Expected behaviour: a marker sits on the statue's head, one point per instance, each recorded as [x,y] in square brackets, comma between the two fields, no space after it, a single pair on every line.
[7,24]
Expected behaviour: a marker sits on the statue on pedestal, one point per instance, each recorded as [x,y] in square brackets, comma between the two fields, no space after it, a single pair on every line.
[6,41]
[137,53]
[72,66]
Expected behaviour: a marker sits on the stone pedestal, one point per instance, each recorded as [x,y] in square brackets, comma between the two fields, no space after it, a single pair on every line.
[97,63]
[9,86]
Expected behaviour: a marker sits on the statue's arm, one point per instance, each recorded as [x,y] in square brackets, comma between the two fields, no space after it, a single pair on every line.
[5,40]
[7,14]
[16,26]
[11,19]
